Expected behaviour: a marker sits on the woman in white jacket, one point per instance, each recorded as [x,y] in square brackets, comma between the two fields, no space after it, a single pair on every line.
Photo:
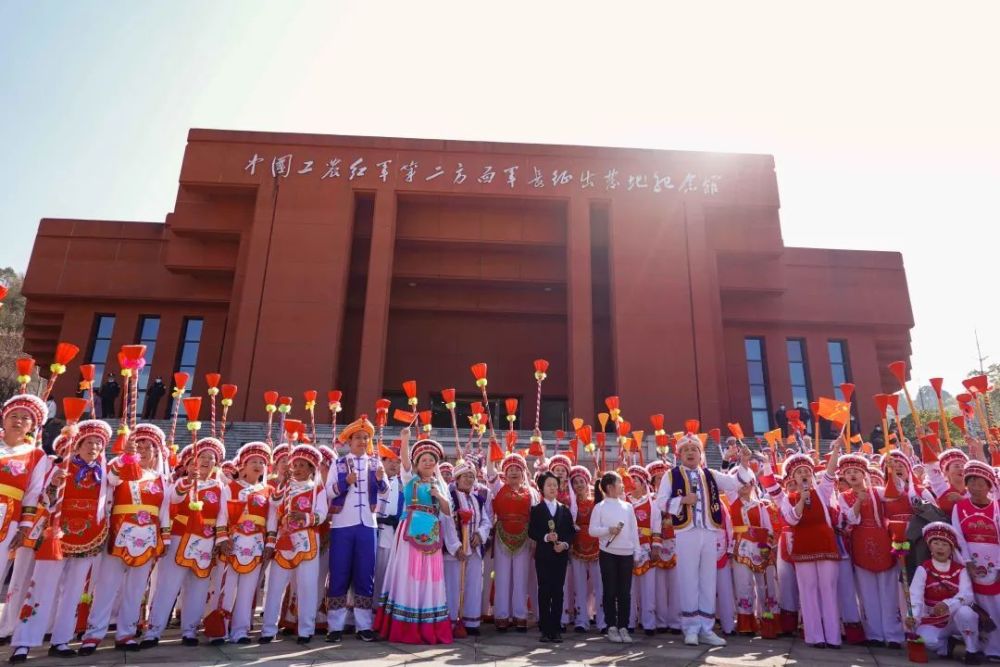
[613,523]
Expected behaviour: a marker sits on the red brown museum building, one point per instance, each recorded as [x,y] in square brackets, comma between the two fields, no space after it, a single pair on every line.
[297,261]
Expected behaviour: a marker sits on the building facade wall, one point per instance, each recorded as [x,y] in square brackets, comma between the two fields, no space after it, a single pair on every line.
[633,272]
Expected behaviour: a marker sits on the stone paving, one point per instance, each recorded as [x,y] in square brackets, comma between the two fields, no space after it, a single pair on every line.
[492,648]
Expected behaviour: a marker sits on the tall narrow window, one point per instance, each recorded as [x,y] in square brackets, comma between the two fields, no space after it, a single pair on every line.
[149,328]
[757,372]
[798,373]
[840,369]
[187,356]
[104,326]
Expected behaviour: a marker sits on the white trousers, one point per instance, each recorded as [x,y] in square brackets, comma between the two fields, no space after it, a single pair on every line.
[725,602]
[569,598]
[588,590]
[20,577]
[847,592]
[381,562]
[964,622]
[323,575]
[472,602]
[880,593]
[788,587]
[755,592]
[44,596]
[991,604]
[511,581]
[643,601]
[488,582]
[245,587]
[306,576]
[113,576]
[698,575]
[5,553]
[171,580]
[668,600]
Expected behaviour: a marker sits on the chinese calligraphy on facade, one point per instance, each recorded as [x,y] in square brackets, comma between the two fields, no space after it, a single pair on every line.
[532,176]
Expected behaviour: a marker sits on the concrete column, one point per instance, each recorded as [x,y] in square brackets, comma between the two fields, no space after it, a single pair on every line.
[580,309]
[376,318]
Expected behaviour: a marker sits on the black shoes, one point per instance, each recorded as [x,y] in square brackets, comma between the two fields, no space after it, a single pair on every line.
[189,641]
[544,639]
[473,632]
[243,640]
[366,636]
[303,640]
[20,654]
[263,639]
[90,649]
[218,641]
[556,638]
[650,632]
[973,658]
[580,630]
[149,643]
[61,651]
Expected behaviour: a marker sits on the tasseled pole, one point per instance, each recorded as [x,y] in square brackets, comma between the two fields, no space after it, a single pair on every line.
[310,403]
[271,406]
[333,403]
[448,396]
[228,394]
[64,354]
[25,369]
[212,380]
[180,384]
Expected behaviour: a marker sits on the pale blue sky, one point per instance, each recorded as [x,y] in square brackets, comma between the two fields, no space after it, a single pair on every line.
[882,117]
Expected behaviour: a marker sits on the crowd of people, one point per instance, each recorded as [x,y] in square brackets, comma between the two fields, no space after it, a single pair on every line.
[391,540]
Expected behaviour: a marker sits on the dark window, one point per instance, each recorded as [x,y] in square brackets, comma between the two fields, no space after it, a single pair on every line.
[187,355]
[757,373]
[798,372]
[104,326]
[840,369]
[149,328]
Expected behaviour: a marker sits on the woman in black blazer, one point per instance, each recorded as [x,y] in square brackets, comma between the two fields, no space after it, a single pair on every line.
[551,527]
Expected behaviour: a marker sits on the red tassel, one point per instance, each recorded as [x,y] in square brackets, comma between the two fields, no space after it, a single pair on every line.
[692,426]
[66,351]
[51,548]
[129,469]
[195,524]
[898,369]
[496,454]
[82,616]
[215,623]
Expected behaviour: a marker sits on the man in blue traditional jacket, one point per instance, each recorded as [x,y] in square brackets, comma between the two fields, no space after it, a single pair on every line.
[354,485]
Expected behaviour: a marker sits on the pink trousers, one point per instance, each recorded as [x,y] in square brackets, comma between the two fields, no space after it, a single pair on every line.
[817,582]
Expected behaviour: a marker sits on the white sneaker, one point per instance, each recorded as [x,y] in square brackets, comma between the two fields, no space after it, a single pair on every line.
[613,635]
[711,639]
[626,637]
[691,639]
